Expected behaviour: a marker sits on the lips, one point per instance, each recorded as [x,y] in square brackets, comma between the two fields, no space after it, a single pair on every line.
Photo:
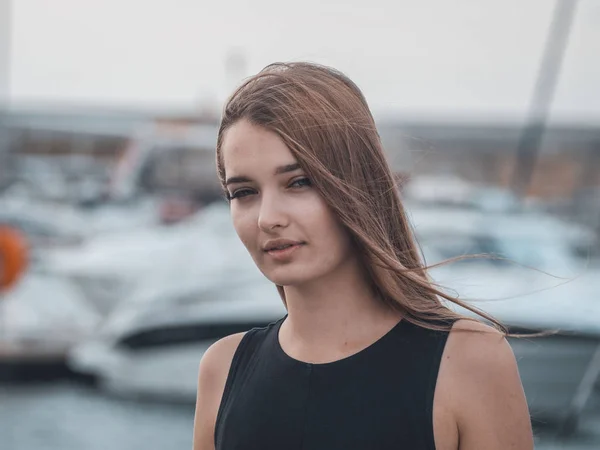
[282,247]
[280,244]
[285,253]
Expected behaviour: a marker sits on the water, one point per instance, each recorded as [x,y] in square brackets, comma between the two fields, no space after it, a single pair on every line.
[68,417]
[74,417]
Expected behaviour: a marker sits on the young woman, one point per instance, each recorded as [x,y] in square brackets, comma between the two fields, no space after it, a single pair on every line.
[368,356]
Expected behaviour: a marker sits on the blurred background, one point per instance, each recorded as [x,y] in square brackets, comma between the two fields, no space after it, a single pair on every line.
[489,112]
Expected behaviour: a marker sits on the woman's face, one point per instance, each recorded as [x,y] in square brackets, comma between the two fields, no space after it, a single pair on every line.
[273,205]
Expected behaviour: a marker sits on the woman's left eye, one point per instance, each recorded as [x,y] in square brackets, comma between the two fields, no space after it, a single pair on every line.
[301,182]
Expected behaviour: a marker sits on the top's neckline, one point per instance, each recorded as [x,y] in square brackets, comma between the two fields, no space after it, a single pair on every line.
[343,360]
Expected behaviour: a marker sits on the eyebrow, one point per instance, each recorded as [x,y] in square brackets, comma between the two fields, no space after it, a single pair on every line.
[278,171]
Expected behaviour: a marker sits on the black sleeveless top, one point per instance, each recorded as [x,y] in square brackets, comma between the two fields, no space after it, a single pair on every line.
[379,398]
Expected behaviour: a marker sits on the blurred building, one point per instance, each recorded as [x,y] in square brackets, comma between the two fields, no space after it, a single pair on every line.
[565,179]
[47,148]
[484,153]
[83,144]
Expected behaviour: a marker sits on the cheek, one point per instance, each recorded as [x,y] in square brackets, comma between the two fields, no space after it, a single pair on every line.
[341,241]
[332,233]
[245,227]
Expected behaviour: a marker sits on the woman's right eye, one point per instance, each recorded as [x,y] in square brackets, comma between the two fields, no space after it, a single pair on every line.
[240,193]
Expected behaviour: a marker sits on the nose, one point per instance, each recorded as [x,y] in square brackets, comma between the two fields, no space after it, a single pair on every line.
[272,214]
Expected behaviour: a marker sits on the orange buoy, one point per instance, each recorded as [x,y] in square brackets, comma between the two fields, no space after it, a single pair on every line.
[13,256]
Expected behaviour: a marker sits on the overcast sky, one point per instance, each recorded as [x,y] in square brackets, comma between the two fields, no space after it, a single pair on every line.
[419,56]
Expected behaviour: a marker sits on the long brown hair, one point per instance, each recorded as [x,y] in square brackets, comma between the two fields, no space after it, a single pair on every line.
[324,119]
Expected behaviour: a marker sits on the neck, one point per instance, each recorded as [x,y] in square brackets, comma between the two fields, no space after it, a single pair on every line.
[336,312]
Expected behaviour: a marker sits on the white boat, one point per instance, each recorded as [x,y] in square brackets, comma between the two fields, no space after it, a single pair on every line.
[542,286]
[167,156]
[193,254]
[146,347]
[154,350]
[41,318]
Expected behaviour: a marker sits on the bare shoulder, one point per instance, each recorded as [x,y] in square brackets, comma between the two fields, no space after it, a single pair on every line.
[479,353]
[488,401]
[212,376]
[214,368]
[478,342]
[217,358]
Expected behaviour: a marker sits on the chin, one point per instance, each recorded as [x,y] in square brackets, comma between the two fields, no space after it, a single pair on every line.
[289,276]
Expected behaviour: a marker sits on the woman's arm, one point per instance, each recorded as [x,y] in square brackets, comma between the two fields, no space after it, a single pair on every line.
[212,375]
[490,406]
